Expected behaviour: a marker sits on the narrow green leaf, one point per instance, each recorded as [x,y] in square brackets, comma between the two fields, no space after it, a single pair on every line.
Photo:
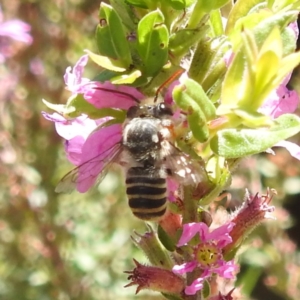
[206,289]
[236,143]
[153,40]
[126,14]
[60,108]
[165,239]
[233,90]
[179,4]
[216,22]
[110,36]
[141,3]
[105,62]
[126,78]
[240,9]
[265,27]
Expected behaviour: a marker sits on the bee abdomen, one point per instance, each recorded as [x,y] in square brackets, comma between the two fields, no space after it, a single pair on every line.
[147,194]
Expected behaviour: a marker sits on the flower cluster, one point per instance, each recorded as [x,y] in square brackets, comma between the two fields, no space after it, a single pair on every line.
[206,254]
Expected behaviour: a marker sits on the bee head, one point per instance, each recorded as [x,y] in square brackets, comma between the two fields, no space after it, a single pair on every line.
[158,111]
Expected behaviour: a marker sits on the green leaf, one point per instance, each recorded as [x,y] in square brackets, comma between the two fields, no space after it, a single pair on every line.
[239,10]
[210,5]
[216,23]
[105,75]
[165,239]
[125,13]
[152,43]
[60,108]
[262,23]
[141,3]
[126,78]
[236,143]
[206,289]
[105,62]
[233,90]
[110,36]
[264,28]
[177,4]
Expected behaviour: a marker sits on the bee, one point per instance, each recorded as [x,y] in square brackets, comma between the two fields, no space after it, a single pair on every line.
[148,154]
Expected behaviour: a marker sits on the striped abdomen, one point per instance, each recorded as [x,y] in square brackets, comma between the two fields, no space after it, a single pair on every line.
[147,193]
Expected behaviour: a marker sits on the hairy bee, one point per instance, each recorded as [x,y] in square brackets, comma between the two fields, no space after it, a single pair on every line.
[149,157]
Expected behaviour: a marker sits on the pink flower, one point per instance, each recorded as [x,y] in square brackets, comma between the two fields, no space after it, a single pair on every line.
[17,30]
[14,29]
[207,254]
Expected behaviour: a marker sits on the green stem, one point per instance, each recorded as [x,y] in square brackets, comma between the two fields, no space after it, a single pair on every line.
[196,15]
[190,212]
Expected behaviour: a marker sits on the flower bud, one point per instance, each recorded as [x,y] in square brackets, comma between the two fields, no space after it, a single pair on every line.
[252,212]
[155,279]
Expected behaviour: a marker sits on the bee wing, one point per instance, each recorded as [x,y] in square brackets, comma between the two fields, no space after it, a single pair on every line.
[185,169]
[90,172]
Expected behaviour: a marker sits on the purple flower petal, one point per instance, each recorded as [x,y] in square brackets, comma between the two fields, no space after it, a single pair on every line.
[73,148]
[221,234]
[17,30]
[197,284]
[172,187]
[168,96]
[190,230]
[294,27]
[108,95]
[280,101]
[55,117]
[293,148]
[73,77]
[184,268]
[97,151]
[80,126]
[226,269]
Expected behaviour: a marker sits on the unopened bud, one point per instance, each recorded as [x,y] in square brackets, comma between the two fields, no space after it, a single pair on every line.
[252,212]
[155,279]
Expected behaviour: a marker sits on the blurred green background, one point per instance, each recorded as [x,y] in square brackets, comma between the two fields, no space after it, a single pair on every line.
[77,246]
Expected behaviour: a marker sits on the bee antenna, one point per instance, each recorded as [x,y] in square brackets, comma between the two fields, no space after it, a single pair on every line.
[119,92]
[170,79]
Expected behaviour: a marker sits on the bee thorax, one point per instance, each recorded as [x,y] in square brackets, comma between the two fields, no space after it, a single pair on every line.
[142,138]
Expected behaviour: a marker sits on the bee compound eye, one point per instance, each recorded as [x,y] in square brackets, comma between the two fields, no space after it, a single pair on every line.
[164,109]
[132,111]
